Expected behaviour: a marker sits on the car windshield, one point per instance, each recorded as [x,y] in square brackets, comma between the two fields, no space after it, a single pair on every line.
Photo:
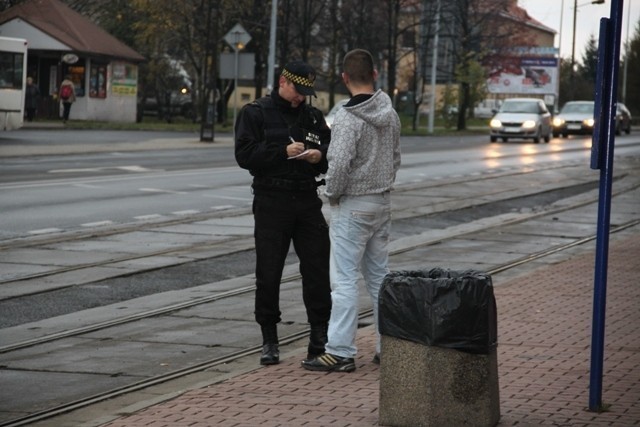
[578,108]
[520,107]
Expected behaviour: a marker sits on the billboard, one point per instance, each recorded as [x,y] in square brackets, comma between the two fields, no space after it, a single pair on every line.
[526,72]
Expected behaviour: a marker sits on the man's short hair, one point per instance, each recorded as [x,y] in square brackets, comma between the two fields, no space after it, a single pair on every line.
[358,64]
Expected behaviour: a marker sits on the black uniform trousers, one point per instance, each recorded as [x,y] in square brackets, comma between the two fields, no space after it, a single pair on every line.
[282,217]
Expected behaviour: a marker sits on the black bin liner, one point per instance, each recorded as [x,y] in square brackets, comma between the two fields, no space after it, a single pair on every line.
[440,307]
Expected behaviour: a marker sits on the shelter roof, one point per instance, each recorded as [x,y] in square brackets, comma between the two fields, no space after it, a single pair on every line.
[64,24]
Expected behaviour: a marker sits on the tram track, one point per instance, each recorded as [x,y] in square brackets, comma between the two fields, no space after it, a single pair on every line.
[249,289]
[403,245]
[217,361]
[76,236]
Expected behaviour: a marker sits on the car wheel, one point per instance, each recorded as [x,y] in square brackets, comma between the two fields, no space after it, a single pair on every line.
[505,139]
[556,134]
[628,129]
[536,138]
[493,139]
[565,135]
[547,137]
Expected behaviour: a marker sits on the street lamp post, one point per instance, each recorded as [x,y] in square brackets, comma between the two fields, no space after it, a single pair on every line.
[237,47]
[573,44]
[626,56]
[238,38]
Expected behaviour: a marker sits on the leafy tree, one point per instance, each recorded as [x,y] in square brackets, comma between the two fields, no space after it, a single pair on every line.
[6,4]
[476,34]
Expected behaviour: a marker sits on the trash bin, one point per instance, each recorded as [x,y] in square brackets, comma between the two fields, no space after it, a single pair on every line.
[439,363]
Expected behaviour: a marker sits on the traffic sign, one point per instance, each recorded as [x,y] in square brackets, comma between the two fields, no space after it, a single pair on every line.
[237,37]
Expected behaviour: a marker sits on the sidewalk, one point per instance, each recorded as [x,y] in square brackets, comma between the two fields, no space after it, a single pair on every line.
[544,325]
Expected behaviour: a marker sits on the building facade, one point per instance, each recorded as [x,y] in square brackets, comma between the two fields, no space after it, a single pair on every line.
[62,43]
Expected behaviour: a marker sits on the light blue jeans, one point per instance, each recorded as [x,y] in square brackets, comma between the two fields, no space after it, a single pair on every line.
[359,232]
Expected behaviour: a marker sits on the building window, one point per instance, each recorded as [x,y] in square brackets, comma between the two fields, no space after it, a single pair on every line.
[77,74]
[11,70]
[98,81]
[409,39]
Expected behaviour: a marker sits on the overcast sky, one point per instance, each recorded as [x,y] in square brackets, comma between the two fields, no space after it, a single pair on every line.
[588,20]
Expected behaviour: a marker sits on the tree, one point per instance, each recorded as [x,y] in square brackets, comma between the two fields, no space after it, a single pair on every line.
[589,68]
[632,96]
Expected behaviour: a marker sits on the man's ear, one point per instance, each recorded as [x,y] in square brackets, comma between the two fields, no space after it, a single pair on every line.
[375,75]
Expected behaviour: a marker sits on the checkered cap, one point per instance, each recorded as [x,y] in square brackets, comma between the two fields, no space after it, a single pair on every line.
[302,75]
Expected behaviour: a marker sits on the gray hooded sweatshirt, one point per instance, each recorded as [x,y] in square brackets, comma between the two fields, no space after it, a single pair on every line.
[364,153]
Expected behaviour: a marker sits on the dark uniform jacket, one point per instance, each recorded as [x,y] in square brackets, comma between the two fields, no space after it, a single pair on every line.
[262,133]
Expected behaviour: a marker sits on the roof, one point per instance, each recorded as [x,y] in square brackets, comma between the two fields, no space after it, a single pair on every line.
[517,13]
[67,26]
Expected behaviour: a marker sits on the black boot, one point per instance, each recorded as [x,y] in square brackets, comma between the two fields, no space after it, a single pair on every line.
[317,340]
[270,351]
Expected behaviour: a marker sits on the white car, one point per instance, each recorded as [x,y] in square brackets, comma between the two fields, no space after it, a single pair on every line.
[332,113]
[521,118]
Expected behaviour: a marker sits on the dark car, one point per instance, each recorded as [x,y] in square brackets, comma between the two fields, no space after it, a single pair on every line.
[575,118]
[623,119]
[174,103]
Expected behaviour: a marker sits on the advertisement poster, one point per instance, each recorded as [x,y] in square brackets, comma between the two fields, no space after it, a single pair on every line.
[125,79]
[524,74]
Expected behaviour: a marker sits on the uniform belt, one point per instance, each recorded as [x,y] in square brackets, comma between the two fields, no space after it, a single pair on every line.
[286,184]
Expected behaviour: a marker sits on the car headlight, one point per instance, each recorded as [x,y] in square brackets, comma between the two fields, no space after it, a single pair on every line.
[495,123]
[558,121]
[529,124]
[589,122]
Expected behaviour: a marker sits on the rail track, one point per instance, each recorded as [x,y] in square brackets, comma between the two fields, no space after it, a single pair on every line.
[400,248]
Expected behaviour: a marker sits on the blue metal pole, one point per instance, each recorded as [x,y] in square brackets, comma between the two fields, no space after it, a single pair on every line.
[602,158]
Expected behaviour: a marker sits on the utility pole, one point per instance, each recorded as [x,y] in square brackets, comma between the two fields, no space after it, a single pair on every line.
[573,45]
[271,62]
[434,70]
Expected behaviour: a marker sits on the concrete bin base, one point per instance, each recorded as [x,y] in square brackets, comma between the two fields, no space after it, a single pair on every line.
[432,386]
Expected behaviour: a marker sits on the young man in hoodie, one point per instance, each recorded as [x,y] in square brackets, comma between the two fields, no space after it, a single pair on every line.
[364,157]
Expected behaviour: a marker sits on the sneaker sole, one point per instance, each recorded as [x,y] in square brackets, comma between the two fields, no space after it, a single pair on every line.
[335,368]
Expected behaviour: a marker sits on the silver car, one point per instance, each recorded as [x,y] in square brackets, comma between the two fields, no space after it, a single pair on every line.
[521,118]
[575,118]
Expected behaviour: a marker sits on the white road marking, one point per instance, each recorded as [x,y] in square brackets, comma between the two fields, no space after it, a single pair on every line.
[145,217]
[45,231]
[132,168]
[186,212]
[96,224]
[86,186]
[159,190]
[217,196]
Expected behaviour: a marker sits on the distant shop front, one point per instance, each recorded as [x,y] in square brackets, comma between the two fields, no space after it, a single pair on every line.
[105,89]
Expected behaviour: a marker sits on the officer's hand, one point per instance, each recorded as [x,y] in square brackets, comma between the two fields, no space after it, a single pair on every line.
[294,149]
[312,156]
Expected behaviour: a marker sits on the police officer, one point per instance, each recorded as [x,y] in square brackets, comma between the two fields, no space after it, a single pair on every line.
[283,143]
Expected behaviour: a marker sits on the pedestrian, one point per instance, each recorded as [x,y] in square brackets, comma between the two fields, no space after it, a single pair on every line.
[32,96]
[283,141]
[364,157]
[67,95]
